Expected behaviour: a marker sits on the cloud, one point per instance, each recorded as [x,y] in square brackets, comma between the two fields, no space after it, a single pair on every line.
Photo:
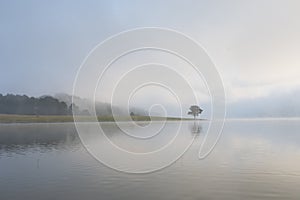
[255,45]
[277,104]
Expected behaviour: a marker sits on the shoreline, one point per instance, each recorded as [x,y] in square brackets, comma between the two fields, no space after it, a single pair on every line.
[11,118]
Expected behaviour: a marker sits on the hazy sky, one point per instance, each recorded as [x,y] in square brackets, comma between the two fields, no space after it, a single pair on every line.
[254,44]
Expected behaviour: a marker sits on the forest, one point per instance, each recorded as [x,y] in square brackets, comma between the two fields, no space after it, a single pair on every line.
[24,105]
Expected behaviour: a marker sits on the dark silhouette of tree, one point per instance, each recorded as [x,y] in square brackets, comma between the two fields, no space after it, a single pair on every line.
[24,105]
[73,109]
[195,111]
[132,115]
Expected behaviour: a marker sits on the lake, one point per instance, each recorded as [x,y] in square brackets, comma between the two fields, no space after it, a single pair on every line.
[254,159]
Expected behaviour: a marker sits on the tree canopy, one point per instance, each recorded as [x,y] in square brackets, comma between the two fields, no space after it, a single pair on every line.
[195,111]
[24,105]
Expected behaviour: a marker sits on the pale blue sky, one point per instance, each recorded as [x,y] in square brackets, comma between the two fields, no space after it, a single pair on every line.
[255,44]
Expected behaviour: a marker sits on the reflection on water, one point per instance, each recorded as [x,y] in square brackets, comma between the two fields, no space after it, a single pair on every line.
[257,159]
[195,128]
[24,138]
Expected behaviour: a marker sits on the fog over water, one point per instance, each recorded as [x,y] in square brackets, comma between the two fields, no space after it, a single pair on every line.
[248,51]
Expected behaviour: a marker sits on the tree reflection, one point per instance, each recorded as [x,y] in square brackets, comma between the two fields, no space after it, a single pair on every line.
[22,138]
[195,128]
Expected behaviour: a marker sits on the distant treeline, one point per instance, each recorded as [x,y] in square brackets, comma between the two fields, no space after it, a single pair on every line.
[24,105]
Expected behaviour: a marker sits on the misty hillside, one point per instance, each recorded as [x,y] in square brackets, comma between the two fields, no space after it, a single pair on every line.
[102,109]
[59,104]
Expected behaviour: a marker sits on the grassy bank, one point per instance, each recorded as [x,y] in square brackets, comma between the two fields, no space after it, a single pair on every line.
[69,118]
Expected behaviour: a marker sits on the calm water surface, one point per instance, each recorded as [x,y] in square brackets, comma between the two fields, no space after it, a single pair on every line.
[255,159]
